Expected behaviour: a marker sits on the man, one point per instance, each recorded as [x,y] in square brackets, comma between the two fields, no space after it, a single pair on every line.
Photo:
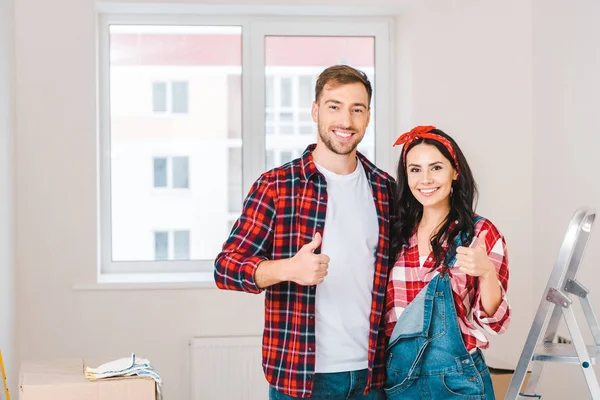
[313,233]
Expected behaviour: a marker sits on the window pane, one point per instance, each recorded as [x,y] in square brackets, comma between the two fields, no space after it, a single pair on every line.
[286,92]
[180,97]
[160,172]
[195,70]
[180,172]
[234,168]
[286,156]
[306,129]
[234,106]
[296,73]
[270,161]
[305,116]
[230,224]
[159,97]
[286,117]
[305,91]
[269,91]
[181,245]
[161,245]
[286,129]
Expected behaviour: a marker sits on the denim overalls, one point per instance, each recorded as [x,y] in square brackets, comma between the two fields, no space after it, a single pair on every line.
[426,355]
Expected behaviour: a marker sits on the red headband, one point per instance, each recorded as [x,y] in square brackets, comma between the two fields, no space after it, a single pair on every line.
[423,132]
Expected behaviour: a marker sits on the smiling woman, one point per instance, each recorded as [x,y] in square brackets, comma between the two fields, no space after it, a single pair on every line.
[450,274]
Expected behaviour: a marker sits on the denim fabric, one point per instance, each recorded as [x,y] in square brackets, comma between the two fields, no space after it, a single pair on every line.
[426,356]
[337,386]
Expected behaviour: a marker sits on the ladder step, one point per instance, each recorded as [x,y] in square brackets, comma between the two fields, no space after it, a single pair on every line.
[562,353]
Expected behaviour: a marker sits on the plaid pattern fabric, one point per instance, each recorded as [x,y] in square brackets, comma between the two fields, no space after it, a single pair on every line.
[407,278]
[284,209]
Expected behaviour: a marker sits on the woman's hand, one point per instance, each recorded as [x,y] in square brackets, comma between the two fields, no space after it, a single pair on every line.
[474,261]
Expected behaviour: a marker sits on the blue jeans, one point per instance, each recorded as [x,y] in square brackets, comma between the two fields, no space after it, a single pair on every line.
[336,386]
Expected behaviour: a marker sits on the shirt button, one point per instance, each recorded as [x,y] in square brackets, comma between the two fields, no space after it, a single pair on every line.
[311,317]
[322,198]
[465,361]
[319,225]
[310,349]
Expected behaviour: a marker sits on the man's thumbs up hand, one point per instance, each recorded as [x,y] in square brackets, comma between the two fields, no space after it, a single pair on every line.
[307,268]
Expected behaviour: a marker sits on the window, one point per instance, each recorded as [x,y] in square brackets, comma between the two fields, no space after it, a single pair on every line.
[159,97]
[179,96]
[180,172]
[161,245]
[171,245]
[172,172]
[170,96]
[245,112]
[288,111]
[160,172]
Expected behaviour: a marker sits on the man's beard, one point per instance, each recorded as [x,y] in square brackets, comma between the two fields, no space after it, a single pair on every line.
[328,141]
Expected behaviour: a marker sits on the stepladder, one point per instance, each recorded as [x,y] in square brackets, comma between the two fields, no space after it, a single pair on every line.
[562,291]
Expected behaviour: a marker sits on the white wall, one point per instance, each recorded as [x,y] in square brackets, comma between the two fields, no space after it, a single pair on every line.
[566,86]
[7,303]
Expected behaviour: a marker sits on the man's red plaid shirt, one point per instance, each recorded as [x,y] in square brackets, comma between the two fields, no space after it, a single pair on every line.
[283,210]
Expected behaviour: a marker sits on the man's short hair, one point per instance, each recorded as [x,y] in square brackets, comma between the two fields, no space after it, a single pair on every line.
[341,75]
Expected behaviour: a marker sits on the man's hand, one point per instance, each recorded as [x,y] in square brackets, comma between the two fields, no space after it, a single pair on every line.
[306,267]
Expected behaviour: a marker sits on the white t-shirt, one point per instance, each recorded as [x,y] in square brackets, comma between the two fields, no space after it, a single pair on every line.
[343,300]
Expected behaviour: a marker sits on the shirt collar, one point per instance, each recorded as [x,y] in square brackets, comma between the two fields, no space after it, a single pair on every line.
[309,168]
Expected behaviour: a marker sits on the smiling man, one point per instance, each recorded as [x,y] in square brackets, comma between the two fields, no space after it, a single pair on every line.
[313,234]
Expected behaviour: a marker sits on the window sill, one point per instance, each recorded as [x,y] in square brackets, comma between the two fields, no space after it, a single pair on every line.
[181,281]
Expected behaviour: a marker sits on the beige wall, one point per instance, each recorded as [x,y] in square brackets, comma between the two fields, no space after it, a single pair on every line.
[7,303]
[465,66]
[566,61]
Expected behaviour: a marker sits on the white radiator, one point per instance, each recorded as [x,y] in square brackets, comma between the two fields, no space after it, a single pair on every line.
[227,368]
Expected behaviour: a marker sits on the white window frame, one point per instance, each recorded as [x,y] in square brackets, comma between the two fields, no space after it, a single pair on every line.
[254,30]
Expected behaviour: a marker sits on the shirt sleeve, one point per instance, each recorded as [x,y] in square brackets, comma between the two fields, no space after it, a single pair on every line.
[499,321]
[249,242]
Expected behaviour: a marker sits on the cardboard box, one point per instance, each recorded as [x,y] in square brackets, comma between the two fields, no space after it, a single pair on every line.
[501,380]
[65,380]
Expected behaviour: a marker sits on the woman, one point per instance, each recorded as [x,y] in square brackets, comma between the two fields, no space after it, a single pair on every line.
[450,273]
